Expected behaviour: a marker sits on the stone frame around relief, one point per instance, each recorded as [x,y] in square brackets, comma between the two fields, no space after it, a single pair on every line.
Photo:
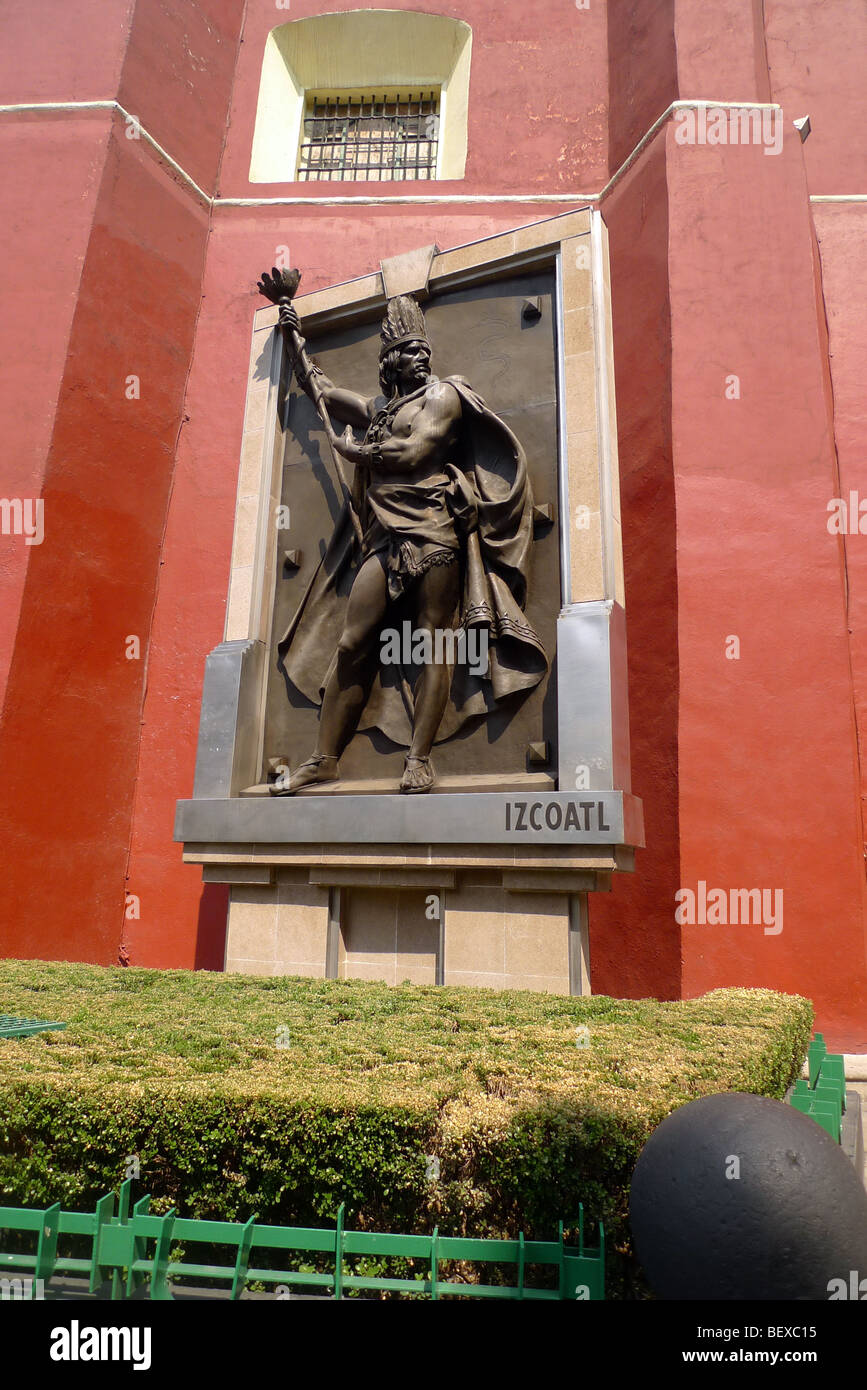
[593,743]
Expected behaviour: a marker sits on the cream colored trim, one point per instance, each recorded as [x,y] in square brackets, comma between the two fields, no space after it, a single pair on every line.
[114,106]
[367,293]
[408,273]
[583,544]
[386,200]
[255,538]
[690,104]
[609,467]
[580,858]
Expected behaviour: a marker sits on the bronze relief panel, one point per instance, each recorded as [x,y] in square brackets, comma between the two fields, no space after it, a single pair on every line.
[444,522]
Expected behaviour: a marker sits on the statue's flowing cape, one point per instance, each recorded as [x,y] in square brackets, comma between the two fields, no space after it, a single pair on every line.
[492,505]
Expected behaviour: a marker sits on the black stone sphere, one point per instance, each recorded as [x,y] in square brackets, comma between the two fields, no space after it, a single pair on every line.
[740,1197]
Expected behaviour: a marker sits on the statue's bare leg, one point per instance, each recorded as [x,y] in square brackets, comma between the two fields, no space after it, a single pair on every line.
[357,660]
[437,601]
[349,685]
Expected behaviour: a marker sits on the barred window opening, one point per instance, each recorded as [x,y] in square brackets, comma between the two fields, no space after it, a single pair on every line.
[373,136]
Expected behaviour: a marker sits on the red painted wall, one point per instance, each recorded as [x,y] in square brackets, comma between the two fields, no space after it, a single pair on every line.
[721,52]
[767,770]
[70,731]
[50,173]
[642,71]
[816,61]
[63,52]
[51,166]
[177,77]
[749,770]
[135,240]
[634,939]
[841,231]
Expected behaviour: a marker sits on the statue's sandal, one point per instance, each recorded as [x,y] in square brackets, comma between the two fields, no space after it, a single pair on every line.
[314,770]
[419,777]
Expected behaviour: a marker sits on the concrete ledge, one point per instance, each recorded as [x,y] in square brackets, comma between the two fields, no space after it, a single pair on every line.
[536,818]
[237,873]
[553,880]
[854,1066]
[383,878]
[471,858]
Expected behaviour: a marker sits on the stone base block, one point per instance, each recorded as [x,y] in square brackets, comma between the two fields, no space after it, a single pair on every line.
[478,934]
[277,929]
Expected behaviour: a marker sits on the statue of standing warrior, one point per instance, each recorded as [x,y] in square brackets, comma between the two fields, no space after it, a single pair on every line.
[439,525]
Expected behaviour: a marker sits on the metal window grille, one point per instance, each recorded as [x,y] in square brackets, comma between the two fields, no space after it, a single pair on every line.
[370,137]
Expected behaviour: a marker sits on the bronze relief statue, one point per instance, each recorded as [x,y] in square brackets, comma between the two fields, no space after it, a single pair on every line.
[437,526]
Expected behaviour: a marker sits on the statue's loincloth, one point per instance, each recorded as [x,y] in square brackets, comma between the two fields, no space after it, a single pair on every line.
[411,527]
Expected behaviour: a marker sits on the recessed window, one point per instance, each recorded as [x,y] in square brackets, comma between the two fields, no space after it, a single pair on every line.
[363,96]
[377,135]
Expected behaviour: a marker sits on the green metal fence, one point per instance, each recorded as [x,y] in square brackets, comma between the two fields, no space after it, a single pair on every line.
[11,1027]
[823,1096]
[132,1248]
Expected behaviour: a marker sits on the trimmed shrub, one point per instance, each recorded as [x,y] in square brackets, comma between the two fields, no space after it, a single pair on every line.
[232,1096]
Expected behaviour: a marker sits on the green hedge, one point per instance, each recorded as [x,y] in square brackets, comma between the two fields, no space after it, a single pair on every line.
[284,1097]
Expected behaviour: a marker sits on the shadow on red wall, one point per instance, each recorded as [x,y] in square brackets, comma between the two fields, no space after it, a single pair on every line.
[211,927]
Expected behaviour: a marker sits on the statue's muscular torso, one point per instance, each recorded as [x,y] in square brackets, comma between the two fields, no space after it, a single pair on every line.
[418,438]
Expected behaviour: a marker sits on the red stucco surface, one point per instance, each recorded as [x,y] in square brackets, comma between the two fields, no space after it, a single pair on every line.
[634,939]
[749,769]
[841,230]
[766,740]
[815,54]
[51,188]
[73,699]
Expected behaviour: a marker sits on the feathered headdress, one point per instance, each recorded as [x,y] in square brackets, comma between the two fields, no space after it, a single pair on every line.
[403,323]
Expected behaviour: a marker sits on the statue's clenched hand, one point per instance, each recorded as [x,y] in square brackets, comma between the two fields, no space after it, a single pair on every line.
[288,318]
[355,453]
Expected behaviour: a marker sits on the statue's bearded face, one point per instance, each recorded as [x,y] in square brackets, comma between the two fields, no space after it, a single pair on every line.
[413,365]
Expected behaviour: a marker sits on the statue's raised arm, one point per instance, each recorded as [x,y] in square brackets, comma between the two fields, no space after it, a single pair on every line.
[349,407]
[280,287]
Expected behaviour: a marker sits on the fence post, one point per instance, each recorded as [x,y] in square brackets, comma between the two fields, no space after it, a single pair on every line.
[245,1241]
[46,1249]
[159,1281]
[433,1264]
[338,1253]
[104,1213]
